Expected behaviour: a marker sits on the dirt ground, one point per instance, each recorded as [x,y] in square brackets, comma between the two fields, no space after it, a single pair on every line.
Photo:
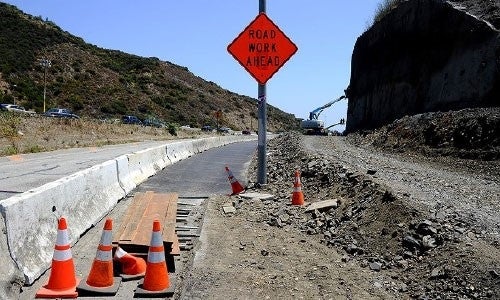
[404,223]
[405,227]
[242,257]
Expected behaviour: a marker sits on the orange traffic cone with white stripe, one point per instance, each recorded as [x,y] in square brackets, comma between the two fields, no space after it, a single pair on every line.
[131,267]
[100,279]
[156,280]
[297,196]
[62,281]
[235,185]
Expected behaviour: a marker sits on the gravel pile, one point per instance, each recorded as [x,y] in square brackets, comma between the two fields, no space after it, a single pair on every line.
[468,133]
[438,252]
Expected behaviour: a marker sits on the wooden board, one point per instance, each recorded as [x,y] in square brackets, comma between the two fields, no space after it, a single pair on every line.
[135,233]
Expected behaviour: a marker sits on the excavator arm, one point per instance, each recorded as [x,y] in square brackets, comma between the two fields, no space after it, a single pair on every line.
[314,115]
[315,126]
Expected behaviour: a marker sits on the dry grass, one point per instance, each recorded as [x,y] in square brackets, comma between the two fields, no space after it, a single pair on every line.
[23,134]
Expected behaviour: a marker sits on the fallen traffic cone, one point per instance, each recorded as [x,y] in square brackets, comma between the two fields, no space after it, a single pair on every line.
[156,281]
[100,279]
[131,267]
[235,185]
[297,196]
[62,281]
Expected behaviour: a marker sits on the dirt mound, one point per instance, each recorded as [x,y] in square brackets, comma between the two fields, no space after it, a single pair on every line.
[424,253]
[468,133]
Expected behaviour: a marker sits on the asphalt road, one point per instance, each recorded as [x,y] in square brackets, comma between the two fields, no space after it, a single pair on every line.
[204,174]
[20,173]
[194,179]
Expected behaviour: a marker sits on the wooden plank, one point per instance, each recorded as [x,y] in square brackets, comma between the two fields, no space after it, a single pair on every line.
[170,219]
[152,211]
[132,216]
[135,216]
[136,229]
[323,205]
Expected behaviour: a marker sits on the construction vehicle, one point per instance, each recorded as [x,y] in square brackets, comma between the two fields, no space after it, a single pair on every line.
[314,126]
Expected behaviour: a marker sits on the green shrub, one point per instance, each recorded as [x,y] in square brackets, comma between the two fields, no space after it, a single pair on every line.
[9,124]
[35,149]
[172,129]
[6,98]
[9,127]
[9,150]
[117,107]
[76,102]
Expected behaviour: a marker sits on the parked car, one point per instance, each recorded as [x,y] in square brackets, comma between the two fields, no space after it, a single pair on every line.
[206,128]
[246,132]
[16,108]
[131,120]
[224,129]
[61,113]
[153,123]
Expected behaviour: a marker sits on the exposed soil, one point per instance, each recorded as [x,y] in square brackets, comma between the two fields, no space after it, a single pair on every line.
[402,225]
[469,133]
[405,226]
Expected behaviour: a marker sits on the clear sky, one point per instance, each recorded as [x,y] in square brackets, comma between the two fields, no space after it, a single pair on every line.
[195,34]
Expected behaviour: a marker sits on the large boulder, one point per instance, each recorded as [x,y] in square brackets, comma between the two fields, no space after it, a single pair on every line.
[425,55]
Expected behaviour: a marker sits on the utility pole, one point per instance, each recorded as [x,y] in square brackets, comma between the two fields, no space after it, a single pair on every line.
[45,63]
[14,98]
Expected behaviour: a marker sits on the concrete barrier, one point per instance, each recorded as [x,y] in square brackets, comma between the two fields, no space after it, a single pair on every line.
[11,278]
[31,218]
[179,150]
[144,164]
[201,145]
[83,198]
[124,176]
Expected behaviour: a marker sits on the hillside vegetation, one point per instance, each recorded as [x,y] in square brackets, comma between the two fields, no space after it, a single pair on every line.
[104,84]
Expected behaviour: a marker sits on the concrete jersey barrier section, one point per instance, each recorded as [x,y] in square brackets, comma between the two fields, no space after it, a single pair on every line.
[83,198]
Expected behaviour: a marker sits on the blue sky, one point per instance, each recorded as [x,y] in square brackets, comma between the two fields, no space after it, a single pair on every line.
[196,33]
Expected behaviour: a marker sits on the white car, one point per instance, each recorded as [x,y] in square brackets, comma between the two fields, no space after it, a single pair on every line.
[16,108]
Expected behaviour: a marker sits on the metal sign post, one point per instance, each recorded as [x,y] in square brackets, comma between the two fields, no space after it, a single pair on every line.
[262,49]
[261,146]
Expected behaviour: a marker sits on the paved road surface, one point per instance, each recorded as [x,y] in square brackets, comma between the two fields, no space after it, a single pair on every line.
[21,173]
[193,179]
[203,175]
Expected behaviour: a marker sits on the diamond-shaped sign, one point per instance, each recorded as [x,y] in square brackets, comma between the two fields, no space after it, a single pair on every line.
[262,48]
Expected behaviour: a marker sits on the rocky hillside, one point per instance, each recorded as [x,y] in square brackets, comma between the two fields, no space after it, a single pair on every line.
[101,83]
[425,56]
[469,133]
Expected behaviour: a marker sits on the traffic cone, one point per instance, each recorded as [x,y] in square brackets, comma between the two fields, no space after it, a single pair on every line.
[235,185]
[131,267]
[297,196]
[62,281]
[100,279]
[156,280]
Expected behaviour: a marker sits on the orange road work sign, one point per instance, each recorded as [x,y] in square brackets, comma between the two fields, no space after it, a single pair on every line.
[262,48]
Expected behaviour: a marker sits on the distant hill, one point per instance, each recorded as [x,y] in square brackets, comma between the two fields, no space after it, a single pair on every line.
[102,83]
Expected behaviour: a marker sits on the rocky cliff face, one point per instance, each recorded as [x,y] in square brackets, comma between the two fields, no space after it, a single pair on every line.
[425,55]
